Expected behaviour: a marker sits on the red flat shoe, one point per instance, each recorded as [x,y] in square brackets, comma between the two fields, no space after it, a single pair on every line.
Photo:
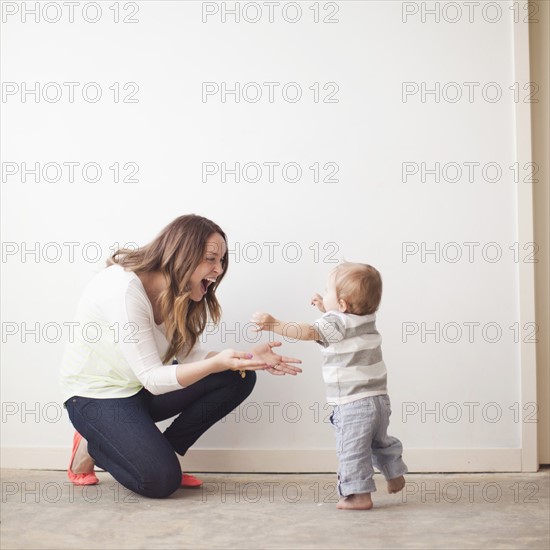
[89,478]
[188,480]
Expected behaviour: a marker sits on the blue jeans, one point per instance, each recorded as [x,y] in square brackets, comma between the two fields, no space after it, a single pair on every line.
[362,441]
[124,440]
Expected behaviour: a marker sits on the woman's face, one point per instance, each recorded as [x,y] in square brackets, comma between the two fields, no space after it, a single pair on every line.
[210,268]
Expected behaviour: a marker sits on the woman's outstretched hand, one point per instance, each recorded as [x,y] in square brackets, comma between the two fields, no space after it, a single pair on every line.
[230,359]
[275,364]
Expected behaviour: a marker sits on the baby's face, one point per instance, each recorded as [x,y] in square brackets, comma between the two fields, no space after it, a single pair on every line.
[330,299]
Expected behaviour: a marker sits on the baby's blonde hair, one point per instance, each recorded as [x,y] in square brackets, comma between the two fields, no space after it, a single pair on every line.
[360,285]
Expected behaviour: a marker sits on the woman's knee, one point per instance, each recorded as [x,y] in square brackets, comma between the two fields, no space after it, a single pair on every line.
[155,473]
[235,391]
[249,381]
[161,483]
[237,388]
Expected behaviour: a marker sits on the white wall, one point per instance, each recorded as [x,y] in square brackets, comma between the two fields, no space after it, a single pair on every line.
[540,61]
[369,213]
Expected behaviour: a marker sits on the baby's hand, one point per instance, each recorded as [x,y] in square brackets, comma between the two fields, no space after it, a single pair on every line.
[263,321]
[317,301]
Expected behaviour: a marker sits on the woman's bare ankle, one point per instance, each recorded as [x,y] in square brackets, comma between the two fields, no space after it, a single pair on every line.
[83,463]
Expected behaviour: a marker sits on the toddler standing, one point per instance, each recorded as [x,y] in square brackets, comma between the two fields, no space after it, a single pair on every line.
[355,377]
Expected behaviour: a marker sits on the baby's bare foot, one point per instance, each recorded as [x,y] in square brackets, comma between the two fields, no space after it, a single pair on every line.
[396,484]
[362,501]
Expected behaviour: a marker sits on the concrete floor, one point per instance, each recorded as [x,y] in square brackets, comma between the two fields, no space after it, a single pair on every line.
[40,509]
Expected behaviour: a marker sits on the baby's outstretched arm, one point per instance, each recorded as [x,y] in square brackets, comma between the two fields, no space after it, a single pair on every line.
[317,301]
[297,331]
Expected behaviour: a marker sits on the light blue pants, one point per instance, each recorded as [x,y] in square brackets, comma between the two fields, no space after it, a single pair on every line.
[362,442]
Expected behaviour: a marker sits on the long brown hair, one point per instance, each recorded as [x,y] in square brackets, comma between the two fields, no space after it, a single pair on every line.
[176,251]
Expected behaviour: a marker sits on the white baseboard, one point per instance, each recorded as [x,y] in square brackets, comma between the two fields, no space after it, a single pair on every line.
[287,461]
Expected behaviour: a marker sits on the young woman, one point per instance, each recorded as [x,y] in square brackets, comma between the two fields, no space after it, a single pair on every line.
[142,362]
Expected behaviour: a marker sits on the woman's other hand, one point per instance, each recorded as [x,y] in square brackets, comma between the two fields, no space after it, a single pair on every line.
[230,359]
[275,364]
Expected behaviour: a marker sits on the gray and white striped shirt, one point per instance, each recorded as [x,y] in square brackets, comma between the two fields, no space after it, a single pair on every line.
[353,367]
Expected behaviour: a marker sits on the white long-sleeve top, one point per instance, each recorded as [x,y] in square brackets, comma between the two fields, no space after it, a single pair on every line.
[116,347]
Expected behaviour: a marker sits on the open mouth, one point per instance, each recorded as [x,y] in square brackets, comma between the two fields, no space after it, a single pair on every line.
[205,283]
